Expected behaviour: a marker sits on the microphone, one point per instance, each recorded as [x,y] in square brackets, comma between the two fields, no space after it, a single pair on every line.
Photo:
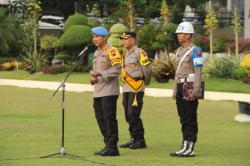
[83,52]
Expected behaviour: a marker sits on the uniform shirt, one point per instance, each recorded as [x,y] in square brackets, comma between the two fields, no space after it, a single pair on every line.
[134,66]
[186,68]
[109,66]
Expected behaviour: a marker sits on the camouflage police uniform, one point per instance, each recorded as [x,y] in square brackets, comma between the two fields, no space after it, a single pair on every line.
[106,90]
[135,62]
[187,110]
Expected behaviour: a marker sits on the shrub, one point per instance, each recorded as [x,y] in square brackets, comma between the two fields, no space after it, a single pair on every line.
[223,68]
[62,55]
[7,66]
[47,42]
[116,31]
[244,46]
[34,62]
[54,69]
[76,19]
[239,73]
[220,44]
[245,62]
[12,65]
[116,42]
[76,35]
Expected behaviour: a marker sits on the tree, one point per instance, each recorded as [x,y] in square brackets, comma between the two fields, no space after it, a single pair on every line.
[58,7]
[94,13]
[34,10]
[146,38]
[236,29]
[166,40]
[165,13]
[210,25]
[9,31]
[131,14]
[147,8]
[34,60]
[20,7]
[177,8]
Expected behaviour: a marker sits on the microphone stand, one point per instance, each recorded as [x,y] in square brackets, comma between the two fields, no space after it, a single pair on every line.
[62,151]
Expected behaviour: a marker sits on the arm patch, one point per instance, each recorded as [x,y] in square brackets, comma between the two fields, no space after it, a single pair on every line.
[197,57]
[144,61]
[114,56]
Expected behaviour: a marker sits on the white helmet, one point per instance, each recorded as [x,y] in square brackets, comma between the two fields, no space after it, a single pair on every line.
[185,27]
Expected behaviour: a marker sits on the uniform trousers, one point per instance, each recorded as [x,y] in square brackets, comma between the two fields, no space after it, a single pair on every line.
[132,113]
[105,113]
[187,111]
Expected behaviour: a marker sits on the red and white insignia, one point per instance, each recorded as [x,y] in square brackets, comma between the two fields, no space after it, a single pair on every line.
[113,52]
[144,53]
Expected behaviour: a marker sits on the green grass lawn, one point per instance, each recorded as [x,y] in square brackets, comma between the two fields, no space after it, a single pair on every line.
[212,84]
[30,126]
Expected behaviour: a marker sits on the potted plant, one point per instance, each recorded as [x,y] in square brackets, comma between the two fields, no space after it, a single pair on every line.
[163,70]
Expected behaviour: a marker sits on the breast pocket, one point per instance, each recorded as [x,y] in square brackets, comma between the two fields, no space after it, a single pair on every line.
[132,66]
[103,62]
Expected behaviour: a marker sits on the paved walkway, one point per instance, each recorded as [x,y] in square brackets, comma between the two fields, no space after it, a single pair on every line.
[155,92]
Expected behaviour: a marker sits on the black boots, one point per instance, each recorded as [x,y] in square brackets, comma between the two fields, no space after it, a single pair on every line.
[187,150]
[126,145]
[134,143]
[100,151]
[111,151]
[108,150]
[138,144]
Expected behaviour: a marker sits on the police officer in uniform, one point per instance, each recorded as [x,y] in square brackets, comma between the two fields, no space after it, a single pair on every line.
[104,77]
[134,63]
[189,69]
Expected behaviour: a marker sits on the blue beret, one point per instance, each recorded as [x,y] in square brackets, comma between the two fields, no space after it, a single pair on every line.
[101,31]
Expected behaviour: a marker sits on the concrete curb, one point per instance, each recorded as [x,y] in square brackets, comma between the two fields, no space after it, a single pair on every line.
[154,92]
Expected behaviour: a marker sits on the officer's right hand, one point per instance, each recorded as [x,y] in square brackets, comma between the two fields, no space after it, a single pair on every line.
[174,97]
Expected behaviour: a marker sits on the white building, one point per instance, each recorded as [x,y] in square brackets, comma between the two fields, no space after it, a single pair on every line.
[244,7]
[247,19]
[5,2]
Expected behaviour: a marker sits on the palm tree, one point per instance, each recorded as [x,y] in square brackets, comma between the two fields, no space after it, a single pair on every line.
[8,31]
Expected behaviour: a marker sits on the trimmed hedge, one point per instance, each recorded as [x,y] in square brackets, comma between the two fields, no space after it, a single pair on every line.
[76,19]
[116,31]
[76,35]
[118,28]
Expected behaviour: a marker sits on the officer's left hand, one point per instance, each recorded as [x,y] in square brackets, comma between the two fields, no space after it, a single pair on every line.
[191,97]
[96,74]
